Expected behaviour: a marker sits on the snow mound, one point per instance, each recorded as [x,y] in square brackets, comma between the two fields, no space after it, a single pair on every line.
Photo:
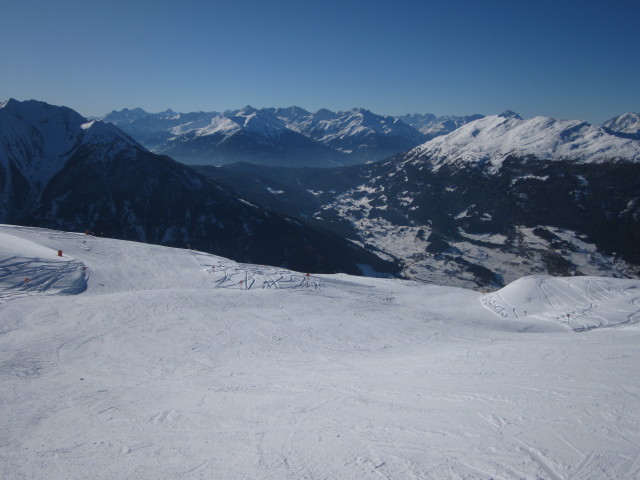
[27,268]
[582,303]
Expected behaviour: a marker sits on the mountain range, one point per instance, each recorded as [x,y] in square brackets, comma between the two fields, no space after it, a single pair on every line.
[280,136]
[60,170]
[294,137]
[497,198]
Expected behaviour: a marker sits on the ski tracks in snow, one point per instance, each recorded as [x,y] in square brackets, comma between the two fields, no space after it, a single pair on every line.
[231,275]
[580,303]
[23,276]
[172,370]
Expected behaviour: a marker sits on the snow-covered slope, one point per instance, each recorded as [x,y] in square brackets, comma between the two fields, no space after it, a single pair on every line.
[495,137]
[29,268]
[180,365]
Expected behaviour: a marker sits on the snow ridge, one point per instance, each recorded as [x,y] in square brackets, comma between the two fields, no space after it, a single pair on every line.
[629,123]
[496,137]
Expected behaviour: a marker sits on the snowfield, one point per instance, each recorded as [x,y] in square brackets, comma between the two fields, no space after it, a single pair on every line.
[121,360]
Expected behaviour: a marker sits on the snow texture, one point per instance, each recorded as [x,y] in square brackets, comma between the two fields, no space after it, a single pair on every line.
[177,364]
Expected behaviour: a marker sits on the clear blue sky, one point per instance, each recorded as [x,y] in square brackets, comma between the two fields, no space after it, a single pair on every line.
[560,58]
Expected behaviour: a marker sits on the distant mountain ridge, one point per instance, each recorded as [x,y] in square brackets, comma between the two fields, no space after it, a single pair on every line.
[279,136]
[494,138]
[432,126]
[296,137]
[626,125]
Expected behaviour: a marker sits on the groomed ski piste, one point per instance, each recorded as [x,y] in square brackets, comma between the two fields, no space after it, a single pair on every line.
[121,360]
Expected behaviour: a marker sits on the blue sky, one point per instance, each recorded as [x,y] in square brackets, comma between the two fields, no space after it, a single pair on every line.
[560,58]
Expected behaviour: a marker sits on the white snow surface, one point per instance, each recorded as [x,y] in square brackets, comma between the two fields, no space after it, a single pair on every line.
[495,137]
[175,364]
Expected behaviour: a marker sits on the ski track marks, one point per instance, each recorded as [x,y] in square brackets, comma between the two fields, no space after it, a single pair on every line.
[579,303]
[167,366]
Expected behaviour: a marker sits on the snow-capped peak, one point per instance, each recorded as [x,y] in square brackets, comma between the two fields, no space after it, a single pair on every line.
[36,112]
[324,114]
[107,134]
[510,114]
[38,138]
[361,111]
[248,119]
[7,103]
[628,123]
[35,137]
[125,115]
[88,125]
[495,137]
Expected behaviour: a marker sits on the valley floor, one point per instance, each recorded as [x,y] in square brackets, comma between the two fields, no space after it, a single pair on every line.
[132,361]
